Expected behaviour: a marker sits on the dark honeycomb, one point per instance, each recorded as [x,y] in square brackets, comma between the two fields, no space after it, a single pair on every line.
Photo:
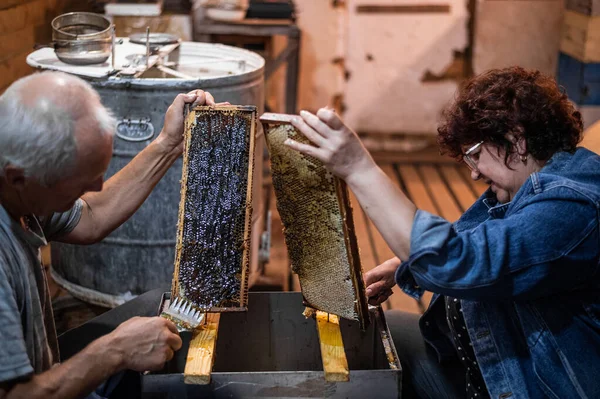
[318,228]
[211,266]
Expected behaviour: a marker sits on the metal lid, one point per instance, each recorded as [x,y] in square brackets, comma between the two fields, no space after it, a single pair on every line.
[155,39]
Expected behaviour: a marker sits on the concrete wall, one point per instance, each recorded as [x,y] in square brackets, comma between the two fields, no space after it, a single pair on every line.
[517,32]
[389,56]
[394,71]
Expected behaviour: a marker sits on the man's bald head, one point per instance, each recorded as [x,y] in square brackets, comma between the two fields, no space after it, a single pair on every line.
[44,118]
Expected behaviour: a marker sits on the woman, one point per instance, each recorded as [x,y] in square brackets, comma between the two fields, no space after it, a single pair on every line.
[516,310]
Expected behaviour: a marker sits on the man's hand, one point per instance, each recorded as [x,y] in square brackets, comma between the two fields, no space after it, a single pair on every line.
[335,144]
[146,343]
[171,136]
[380,281]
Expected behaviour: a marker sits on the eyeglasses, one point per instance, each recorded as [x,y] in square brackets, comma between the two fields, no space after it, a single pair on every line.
[471,156]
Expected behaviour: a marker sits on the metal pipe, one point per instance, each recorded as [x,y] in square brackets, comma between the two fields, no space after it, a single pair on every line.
[147,47]
[114,45]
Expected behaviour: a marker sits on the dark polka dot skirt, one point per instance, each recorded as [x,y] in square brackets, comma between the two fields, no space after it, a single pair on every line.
[474,381]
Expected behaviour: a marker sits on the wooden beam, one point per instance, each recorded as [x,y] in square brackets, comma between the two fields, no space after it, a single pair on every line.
[335,363]
[11,3]
[440,194]
[399,300]
[276,119]
[458,186]
[14,68]
[404,9]
[201,354]
[18,42]
[416,189]
[367,255]
[24,15]
[479,186]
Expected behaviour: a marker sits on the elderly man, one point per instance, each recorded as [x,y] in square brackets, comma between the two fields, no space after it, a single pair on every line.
[55,146]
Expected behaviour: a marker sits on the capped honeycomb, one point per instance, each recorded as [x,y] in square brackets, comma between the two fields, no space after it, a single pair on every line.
[318,225]
[213,240]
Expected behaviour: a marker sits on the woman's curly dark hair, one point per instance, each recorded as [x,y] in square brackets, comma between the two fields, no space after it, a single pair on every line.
[511,100]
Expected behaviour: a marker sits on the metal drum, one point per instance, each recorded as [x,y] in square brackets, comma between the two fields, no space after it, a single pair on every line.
[139,255]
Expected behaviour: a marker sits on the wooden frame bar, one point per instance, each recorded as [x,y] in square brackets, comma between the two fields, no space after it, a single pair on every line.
[201,354]
[335,364]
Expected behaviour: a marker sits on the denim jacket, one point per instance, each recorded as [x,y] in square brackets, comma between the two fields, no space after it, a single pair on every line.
[528,278]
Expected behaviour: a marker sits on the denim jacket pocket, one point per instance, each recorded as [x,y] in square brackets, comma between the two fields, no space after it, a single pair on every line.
[554,372]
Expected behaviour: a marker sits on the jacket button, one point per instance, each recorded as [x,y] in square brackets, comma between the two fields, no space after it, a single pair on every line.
[426,324]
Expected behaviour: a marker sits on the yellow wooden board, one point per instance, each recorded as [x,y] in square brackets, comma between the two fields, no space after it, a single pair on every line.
[201,354]
[335,364]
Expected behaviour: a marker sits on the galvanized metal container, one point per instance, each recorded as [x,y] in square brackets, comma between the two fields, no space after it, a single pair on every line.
[82,38]
[272,351]
[139,255]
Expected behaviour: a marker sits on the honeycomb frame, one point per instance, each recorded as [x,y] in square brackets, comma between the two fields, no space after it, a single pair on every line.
[357,300]
[238,302]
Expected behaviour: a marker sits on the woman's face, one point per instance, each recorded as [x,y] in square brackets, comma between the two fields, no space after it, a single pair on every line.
[503,181]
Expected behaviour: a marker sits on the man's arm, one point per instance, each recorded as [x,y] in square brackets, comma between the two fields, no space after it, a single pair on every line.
[139,344]
[125,192]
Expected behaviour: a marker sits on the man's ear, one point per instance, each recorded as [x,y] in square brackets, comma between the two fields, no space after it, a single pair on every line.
[14,177]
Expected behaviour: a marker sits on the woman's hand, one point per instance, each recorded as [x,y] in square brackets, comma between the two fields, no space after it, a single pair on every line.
[380,281]
[336,145]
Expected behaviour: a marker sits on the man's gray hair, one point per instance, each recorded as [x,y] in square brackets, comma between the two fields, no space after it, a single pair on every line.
[39,136]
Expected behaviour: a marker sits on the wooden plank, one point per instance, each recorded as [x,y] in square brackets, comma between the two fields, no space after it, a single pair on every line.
[35,13]
[415,188]
[382,249]
[478,186]
[461,191]
[580,36]
[403,9]
[428,154]
[382,252]
[335,364]
[201,355]
[440,194]
[24,15]
[18,42]
[261,22]
[367,254]
[14,68]
[11,3]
